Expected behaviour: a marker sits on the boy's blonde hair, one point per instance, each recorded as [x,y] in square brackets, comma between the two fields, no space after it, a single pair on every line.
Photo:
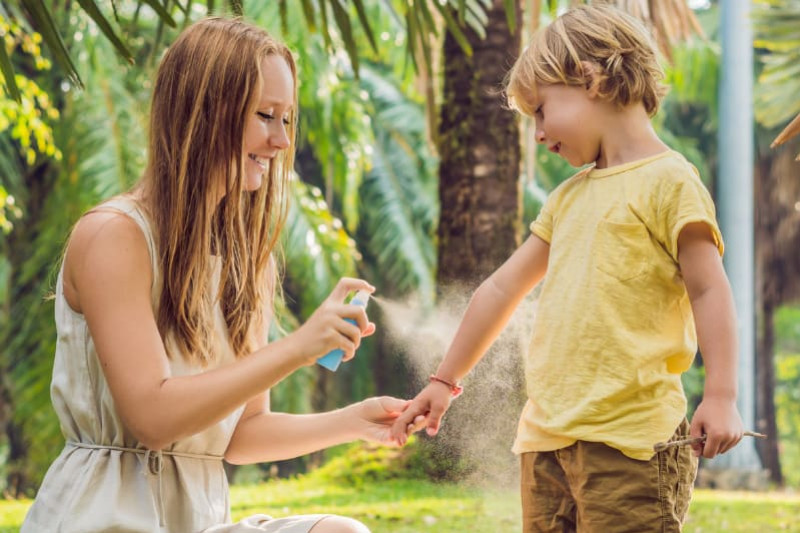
[623,58]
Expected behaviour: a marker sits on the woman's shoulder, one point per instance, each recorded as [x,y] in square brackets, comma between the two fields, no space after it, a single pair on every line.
[109,225]
[106,243]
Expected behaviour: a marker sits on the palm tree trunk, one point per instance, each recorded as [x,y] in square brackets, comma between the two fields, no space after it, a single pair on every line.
[479,228]
[480,155]
[777,274]
[765,396]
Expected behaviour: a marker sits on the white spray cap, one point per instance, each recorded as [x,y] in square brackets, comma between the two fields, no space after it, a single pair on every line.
[361,298]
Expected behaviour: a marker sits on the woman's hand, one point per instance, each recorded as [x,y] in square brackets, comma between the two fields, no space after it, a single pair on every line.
[375,417]
[326,329]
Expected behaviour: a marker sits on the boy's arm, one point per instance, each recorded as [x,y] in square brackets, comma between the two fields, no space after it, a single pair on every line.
[712,304]
[488,312]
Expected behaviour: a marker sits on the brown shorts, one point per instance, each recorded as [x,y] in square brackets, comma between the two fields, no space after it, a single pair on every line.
[592,488]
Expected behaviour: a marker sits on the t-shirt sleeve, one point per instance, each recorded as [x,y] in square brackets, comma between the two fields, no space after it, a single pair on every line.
[542,227]
[685,200]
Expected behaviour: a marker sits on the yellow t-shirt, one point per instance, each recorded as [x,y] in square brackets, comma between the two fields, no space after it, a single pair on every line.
[614,327]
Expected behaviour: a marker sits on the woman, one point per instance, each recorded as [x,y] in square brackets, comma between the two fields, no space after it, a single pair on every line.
[163,302]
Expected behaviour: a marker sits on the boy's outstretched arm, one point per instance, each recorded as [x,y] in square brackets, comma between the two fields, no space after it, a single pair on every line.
[712,304]
[488,312]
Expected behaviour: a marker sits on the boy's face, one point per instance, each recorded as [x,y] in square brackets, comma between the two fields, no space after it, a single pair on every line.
[567,120]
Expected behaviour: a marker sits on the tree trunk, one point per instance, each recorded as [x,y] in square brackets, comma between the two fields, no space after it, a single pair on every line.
[479,191]
[765,396]
[777,272]
[479,144]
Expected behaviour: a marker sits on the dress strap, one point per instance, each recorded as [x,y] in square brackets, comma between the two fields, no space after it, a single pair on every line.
[129,207]
[152,463]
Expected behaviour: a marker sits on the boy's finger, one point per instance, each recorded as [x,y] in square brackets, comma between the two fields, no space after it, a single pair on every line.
[434,419]
[711,447]
[696,430]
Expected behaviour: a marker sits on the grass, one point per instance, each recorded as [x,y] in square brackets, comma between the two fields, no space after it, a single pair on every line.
[406,506]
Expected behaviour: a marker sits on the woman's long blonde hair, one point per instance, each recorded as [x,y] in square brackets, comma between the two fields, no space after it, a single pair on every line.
[208,85]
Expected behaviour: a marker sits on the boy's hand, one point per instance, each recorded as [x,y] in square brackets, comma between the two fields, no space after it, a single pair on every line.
[719,420]
[432,402]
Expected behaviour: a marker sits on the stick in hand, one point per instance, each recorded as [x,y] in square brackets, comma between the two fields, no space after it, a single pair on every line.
[661,446]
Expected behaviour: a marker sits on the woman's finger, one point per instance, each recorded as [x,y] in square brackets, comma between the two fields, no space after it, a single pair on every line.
[348,285]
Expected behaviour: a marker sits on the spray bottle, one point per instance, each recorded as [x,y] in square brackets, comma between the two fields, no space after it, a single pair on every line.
[333,358]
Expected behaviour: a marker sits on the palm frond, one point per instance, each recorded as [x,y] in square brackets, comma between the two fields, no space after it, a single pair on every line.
[671,21]
[789,132]
[420,25]
[42,21]
[91,9]
[398,196]
[317,249]
[8,73]
[776,30]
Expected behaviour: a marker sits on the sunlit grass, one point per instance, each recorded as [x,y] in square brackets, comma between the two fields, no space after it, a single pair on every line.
[407,506]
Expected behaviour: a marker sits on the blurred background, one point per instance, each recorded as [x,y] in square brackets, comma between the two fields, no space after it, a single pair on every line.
[411,174]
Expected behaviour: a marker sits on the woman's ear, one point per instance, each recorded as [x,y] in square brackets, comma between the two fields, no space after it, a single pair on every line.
[591,73]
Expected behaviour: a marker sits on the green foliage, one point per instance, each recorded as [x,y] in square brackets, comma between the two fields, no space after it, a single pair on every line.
[332,19]
[8,210]
[787,329]
[398,197]
[776,32]
[362,463]
[102,144]
[412,506]
[787,390]
[25,114]
[318,250]
[368,463]
[688,121]
[693,382]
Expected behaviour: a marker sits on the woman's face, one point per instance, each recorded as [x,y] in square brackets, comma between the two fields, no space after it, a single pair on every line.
[265,133]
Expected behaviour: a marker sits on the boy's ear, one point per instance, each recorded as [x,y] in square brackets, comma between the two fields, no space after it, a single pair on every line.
[591,73]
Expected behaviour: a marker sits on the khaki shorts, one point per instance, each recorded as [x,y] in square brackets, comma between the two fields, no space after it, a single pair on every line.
[592,488]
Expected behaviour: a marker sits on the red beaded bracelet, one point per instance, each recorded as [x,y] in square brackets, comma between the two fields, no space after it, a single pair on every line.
[455,388]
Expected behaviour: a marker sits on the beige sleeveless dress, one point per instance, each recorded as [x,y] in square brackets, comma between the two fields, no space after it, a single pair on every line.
[104,480]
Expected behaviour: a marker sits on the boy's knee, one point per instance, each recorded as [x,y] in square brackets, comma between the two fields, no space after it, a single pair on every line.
[339,524]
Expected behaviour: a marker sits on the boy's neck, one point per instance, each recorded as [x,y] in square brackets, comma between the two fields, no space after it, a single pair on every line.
[628,135]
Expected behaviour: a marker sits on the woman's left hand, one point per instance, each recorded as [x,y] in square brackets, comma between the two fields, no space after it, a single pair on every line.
[376,416]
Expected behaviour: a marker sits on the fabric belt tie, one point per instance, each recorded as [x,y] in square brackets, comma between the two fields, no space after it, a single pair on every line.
[152,463]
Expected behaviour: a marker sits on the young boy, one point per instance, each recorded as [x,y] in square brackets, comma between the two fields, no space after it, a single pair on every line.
[632,251]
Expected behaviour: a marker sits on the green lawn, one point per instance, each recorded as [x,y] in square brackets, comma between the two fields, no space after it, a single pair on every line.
[403,506]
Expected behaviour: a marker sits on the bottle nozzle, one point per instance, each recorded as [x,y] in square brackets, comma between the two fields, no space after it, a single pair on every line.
[361,298]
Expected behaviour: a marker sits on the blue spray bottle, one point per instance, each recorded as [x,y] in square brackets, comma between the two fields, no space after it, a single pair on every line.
[333,359]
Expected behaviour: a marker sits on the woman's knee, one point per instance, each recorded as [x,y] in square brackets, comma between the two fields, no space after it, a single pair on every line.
[339,524]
